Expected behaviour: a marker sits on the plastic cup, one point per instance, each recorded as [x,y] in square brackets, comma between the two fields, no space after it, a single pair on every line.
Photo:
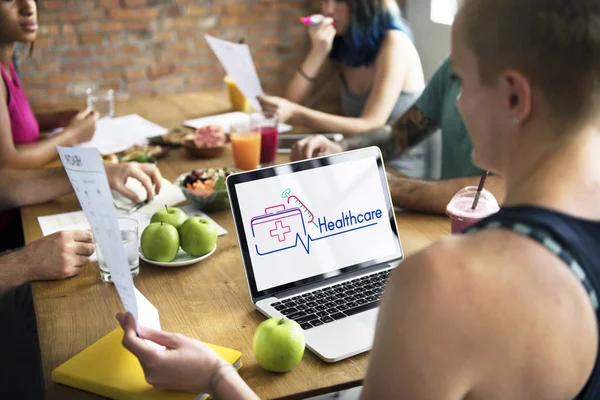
[245,144]
[267,123]
[462,215]
[239,102]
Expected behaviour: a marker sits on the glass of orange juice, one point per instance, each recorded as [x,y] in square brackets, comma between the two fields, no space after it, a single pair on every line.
[245,143]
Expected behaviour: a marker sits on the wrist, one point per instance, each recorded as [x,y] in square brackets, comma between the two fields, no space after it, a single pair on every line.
[17,260]
[313,62]
[219,372]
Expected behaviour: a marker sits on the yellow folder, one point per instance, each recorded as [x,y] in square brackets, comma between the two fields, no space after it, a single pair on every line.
[108,369]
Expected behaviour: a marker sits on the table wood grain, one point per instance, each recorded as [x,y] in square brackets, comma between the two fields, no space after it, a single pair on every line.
[208,301]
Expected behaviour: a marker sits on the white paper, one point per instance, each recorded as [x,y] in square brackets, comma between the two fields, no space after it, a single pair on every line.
[237,61]
[117,134]
[226,120]
[86,172]
[170,195]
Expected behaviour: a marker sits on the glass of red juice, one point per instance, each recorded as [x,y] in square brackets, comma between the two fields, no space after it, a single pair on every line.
[267,122]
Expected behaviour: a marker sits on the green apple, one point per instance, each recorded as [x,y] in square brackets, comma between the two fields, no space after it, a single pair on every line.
[198,236]
[170,215]
[160,242]
[278,344]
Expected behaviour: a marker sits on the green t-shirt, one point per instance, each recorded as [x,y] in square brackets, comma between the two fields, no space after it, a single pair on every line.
[438,102]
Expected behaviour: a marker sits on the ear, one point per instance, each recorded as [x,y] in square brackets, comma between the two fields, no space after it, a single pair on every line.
[518,93]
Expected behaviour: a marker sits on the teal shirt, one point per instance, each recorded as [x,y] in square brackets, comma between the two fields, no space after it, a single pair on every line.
[438,102]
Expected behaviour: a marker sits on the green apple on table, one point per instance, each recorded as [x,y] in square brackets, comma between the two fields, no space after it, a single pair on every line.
[198,236]
[170,215]
[278,344]
[160,242]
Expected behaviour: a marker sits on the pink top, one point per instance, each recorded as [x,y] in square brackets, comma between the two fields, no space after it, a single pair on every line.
[25,128]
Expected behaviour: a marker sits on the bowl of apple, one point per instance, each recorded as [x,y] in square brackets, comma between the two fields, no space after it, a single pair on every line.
[206,188]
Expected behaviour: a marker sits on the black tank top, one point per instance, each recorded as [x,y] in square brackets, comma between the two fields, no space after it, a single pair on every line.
[575,241]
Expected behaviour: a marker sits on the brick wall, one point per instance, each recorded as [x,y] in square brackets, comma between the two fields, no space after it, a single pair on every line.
[148,47]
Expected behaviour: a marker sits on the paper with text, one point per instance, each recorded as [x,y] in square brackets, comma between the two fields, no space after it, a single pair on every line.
[117,134]
[237,61]
[86,172]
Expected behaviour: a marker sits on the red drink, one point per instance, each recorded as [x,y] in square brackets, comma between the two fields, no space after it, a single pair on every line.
[268,144]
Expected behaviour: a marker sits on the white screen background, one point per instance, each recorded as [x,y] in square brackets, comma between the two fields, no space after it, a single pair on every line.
[326,192]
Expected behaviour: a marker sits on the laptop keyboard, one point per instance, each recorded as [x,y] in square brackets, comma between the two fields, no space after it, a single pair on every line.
[334,302]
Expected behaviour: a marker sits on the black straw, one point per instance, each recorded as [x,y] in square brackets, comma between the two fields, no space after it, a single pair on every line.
[479,189]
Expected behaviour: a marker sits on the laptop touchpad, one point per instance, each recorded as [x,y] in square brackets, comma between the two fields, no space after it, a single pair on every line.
[368,318]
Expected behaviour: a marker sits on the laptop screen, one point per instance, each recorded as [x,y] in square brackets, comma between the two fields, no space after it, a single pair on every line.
[315,222]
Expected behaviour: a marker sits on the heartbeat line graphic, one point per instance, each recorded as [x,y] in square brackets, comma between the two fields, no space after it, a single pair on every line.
[309,239]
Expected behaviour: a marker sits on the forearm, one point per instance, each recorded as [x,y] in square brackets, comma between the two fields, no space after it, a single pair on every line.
[300,86]
[20,188]
[232,387]
[434,196]
[325,123]
[403,134]
[13,272]
[34,155]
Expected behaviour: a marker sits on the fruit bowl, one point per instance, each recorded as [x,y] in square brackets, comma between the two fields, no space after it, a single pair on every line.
[205,188]
[207,142]
[202,152]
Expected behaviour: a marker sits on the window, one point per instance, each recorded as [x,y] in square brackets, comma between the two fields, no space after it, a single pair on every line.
[443,11]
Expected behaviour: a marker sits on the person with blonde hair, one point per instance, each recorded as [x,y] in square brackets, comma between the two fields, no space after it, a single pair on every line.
[509,309]
[368,46]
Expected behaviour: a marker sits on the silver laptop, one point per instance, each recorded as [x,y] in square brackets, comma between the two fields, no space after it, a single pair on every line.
[318,241]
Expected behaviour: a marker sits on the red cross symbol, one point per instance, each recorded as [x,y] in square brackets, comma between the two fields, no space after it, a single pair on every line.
[280,231]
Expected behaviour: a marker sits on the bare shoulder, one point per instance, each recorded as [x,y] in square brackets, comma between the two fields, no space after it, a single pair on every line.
[398,38]
[505,302]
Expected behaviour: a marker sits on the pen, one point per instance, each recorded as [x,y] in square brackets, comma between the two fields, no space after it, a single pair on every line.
[138,206]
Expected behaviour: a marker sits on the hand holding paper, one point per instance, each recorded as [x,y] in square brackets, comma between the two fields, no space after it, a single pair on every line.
[86,172]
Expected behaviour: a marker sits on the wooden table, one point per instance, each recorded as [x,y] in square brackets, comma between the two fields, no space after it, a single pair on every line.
[208,301]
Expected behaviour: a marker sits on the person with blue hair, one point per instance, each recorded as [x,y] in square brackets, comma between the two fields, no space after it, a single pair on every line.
[369,46]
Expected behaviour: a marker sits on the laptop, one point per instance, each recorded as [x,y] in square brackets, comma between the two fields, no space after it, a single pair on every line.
[319,240]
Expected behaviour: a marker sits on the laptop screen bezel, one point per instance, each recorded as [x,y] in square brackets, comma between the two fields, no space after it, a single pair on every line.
[290,168]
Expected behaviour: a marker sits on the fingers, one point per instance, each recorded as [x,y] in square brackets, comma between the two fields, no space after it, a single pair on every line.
[167,339]
[84,249]
[267,101]
[84,236]
[80,261]
[154,173]
[131,341]
[144,179]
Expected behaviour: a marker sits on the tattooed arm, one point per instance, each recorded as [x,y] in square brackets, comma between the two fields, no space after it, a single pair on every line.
[404,133]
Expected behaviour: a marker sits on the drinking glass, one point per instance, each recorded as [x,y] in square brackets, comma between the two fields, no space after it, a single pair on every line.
[103,101]
[129,236]
[245,144]
[267,123]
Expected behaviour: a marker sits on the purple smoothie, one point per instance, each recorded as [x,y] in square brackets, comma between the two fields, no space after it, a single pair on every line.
[460,212]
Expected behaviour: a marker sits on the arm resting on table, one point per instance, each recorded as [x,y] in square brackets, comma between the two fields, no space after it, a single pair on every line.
[433,196]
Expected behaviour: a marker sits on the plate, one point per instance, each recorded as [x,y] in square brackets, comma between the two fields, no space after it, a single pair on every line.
[181,260]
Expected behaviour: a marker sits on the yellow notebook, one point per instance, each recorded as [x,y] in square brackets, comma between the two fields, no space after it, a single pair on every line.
[108,369]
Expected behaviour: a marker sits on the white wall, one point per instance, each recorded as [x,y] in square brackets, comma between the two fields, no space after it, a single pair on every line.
[431,39]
